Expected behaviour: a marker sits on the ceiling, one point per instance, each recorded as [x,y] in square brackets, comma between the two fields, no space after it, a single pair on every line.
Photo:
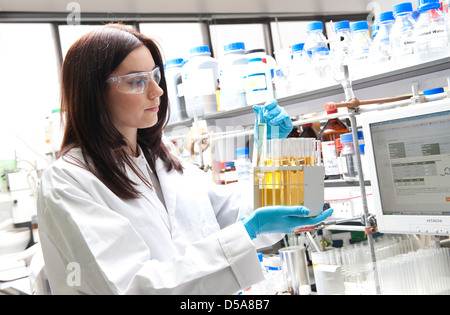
[298,7]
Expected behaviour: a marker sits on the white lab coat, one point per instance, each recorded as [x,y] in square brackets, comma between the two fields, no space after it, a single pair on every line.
[96,243]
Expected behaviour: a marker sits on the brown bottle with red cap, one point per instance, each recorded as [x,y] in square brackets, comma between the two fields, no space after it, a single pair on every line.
[331,131]
[308,131]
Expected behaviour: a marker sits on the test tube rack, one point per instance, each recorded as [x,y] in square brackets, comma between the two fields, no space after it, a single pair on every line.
[301,185]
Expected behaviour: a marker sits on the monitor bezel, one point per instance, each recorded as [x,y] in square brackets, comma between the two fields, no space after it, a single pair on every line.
[401,224]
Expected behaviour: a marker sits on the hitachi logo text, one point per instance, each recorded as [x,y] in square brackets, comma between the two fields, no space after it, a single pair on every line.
[434,221]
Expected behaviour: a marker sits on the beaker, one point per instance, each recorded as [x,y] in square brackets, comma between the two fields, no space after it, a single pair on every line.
[295,270]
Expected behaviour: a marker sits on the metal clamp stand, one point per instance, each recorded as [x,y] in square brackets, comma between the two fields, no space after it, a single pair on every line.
[369,227]
[353,107]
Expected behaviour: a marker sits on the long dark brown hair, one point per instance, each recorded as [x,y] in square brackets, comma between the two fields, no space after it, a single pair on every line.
[86,67]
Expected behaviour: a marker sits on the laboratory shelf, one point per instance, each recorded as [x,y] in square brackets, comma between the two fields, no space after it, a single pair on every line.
[372,81]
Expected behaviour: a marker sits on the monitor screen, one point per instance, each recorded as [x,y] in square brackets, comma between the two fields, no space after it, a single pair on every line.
[409,150]
[412,156]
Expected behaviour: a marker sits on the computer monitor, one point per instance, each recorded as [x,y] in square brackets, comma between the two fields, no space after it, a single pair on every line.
[408,151]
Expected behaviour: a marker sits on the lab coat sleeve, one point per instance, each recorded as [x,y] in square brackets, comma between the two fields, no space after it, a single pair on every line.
[113,259]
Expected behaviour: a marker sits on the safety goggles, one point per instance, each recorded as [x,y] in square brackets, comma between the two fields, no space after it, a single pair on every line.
[136,83]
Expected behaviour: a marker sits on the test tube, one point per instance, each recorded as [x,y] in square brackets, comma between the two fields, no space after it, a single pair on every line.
[300,151]
[277,181]
[261,147]
[318,149]
[267,194]
[299,175]
[311,152]
[262,140]
[285,174]
[271,182]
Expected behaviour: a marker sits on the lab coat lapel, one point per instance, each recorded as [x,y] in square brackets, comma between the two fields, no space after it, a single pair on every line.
[169,186]
[150,196]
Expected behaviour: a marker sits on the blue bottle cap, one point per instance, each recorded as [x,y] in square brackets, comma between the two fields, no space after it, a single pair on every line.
[243,151]
[387,16]
[297,47]
[362,148]
[375,29]
[320,49]
[229,164]
[348,137]
[402,8]
[260,257]
[174,62]
[358,26]
[314,26]
[234,47]
[255,60]
[342,25]
[200,50]
[426,5]
[360,135]
[433,91]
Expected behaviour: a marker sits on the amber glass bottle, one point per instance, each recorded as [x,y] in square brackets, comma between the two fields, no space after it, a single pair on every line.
[331,131]
[309,132]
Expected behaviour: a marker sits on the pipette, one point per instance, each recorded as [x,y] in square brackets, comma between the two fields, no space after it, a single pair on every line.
[261,143]
[261,130]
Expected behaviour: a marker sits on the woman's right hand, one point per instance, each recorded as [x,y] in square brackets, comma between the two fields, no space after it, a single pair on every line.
[280,219]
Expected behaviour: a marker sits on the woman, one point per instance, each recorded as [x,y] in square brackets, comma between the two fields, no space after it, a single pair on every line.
[118,213]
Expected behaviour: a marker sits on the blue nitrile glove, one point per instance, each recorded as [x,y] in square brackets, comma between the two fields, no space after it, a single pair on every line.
[280,219]
[279,124]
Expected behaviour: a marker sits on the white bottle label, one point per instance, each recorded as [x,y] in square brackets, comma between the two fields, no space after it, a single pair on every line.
[232,81]
[231,176]
[256,82]
[330,161]
[198,83]
[433,38]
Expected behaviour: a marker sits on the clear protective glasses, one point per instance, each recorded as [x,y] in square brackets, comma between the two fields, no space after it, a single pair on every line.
[136,83]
